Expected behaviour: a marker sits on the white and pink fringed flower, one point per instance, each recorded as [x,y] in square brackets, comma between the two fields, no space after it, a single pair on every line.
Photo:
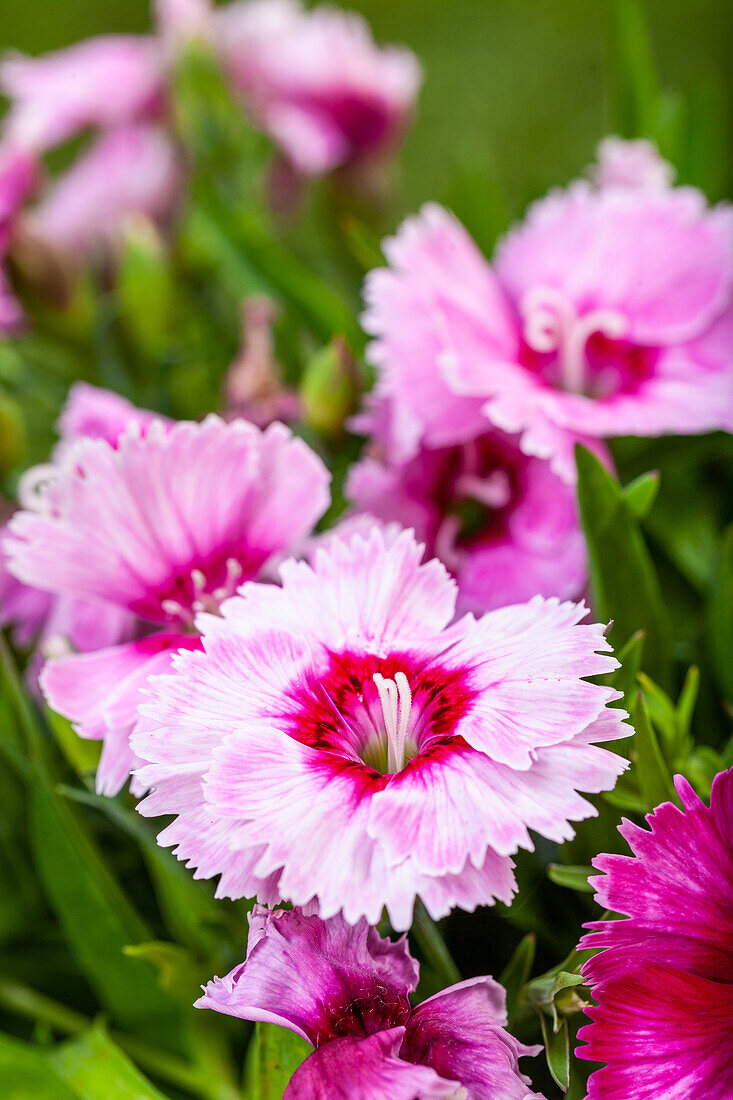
[163,525]
[607,312]
[63,623]
[346,990]
[338,740]
[315,81]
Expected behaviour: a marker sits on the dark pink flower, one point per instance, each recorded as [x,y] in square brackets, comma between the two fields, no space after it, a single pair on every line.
[126,171]
[608,311]
[315,80]
[503,523]
[663,978]
[346,991]
[339,740]
[166,523]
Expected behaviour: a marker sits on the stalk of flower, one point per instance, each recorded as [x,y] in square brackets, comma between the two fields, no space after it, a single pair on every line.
[663,978]
[162,525]
[338,740]
[633,340]
[346,991]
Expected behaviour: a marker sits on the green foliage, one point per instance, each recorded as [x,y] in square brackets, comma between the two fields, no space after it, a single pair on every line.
[275,1054]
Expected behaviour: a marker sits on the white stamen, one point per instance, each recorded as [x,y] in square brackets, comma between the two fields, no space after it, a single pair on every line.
[199,581]
[494,491]
[176,610]
[396,699]
[234,572]
[31,486]
[551,323]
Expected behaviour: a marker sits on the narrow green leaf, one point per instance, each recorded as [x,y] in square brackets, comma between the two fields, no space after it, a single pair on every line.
[517,971]
[96,918]
[624,583]
[641,493]
[573,877]
[654,779]
[243,233]
[187,905]
[557,1051]
[26,1074]
[636,88]
[82,755]
[275,1054]
[688,699]
[98,1070]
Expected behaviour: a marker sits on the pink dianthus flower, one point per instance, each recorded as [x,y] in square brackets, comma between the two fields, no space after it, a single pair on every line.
[608,311]
[167,522]
[346,991]
[338,740]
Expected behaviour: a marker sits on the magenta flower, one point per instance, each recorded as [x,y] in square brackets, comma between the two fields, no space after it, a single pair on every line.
[315,81]
[503,523]
[607,312]
[346,991]
[130,170]
[663,978]
[339,740]
[166,524]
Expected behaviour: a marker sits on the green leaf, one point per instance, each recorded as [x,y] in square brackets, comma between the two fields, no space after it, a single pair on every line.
[573,877]
[95,1069]
[82,755]
[517,972]
[27,1075]
[188,905]
[274,1055]
[654,779]
[90,1068]
[557,1051]
[96,918]
[623,581]
[636,88]
[641,493]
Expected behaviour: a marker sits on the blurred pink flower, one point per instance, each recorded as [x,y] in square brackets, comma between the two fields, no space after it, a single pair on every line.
[338,740]
[503,523]
[607,312]
[60,624]
[346,991]
[102,82]
[315,80]
[663,978]
[126,171]
[632,164]
[18,174]
[162,525]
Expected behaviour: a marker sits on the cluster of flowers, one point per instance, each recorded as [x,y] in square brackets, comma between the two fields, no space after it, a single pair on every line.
[348,720]
[313,81]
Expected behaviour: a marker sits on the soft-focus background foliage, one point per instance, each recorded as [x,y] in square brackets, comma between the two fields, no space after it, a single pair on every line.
[93,916]
[515,90]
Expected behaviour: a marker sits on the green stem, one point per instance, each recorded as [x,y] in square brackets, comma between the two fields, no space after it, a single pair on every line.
[36,1006]
[433,947]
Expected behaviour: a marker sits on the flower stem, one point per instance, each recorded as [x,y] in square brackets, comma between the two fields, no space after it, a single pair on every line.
[432,945]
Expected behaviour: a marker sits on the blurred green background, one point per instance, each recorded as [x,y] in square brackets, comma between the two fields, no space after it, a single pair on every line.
[516,92]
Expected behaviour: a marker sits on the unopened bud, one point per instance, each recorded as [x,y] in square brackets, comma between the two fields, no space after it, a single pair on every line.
[330,388]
